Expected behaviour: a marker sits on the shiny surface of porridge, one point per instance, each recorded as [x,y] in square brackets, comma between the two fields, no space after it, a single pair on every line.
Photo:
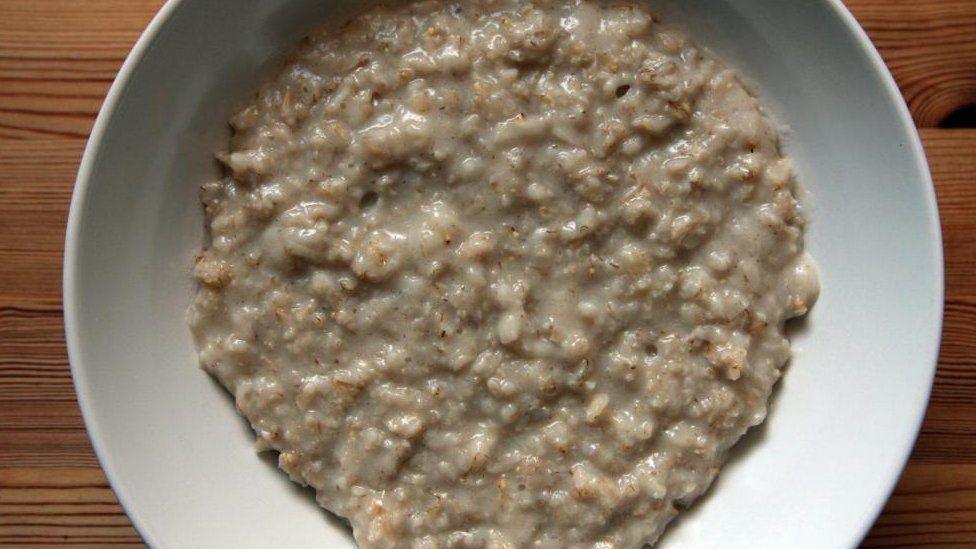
[501,273]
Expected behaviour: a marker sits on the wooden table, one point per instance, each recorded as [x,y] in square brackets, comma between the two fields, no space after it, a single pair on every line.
[57,60]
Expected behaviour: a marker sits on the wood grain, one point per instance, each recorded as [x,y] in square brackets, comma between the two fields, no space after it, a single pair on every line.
[35,189]
[57,59]
[929,509]
[61,506]
[930,49]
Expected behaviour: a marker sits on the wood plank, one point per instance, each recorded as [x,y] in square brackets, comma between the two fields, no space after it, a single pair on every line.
[948,434]
[50,415]
[43,434]
[40,425]
[36,179]
[929,47]
[955,379]
[58,57]
[932,507]
[952,159]
[42,448]
[35,189]
[66,506]
[33,358]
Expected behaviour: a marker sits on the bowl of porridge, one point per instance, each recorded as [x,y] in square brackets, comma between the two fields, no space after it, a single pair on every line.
[492,273]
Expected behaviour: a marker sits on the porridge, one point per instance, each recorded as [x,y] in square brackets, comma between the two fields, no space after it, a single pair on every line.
[495,273]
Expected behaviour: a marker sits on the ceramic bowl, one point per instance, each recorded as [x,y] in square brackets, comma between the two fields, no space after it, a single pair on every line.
[814,475]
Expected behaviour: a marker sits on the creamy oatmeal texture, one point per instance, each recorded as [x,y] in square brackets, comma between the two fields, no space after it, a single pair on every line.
[498,274]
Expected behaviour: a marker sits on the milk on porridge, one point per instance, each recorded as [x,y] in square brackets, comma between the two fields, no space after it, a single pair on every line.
[496,273]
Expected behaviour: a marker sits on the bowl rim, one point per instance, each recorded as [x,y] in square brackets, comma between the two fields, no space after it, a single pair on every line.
[82,187]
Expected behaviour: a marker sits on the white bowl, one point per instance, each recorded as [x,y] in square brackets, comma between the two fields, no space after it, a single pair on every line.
[815,475]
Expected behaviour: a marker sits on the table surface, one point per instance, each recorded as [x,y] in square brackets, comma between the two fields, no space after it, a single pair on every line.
[57,60]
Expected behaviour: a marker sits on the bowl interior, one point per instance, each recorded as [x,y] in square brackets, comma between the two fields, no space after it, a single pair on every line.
[843,419]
